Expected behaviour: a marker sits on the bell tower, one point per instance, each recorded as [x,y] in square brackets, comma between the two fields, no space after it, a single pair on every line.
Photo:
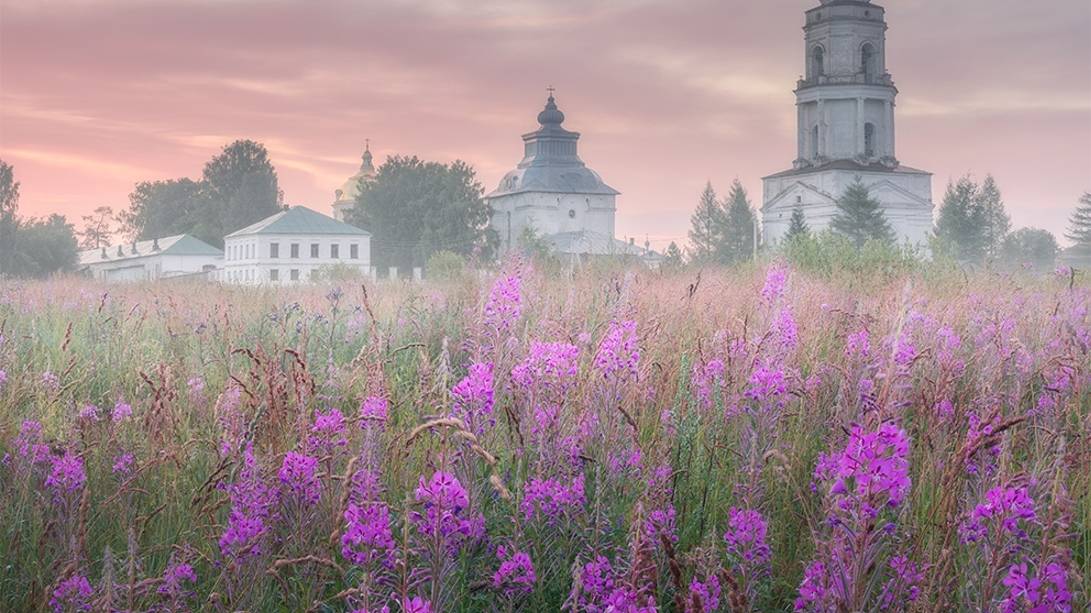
[845,100]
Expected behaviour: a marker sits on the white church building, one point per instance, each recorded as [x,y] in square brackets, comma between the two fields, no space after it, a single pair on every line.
[553,192]
[344,197]
[291,246]
[845,124]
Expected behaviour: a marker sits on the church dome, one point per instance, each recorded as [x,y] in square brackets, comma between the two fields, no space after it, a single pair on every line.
[551,115]
[351,187]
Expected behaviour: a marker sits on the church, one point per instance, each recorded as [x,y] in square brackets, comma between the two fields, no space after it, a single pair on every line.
[845,125]
[554,194]
[345,196]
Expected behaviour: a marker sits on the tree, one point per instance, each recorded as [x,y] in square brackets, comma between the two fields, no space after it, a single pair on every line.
[242,187]
[45,246]
[997,224]
[797,225]
[414,208]
[97,228]
[166,208]
[738,240]
[960,226]
[9,216]
[672,257]
[1030,246]
[707,231]
[1079,226]
[860,217]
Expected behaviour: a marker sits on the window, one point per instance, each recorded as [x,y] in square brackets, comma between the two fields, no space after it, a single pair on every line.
[274,250]
[867,61]
[294,274]
[354,251]
[814,142]
[818,56]
[314,250]
[294,250]
[869,140]
[274,274]
[335,251]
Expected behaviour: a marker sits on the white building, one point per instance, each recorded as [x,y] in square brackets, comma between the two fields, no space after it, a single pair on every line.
[160,258]
[551,191]
[345,196]
[845,126]
[290,246]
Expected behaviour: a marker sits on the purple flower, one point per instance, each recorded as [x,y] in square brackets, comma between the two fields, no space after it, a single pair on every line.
[174,578]
[706,379]
[327,433]
[89,412]
[297,472]
[858,344]
[416,605]
[123,465]
[704,597]
[73,594]
[373,410]
[745,536]
[121,412]
[505,304]
[67,473]
[552,498]
[473,398]
[50,381]
[549,369]
[786,330]
[904,586]
[660,524]
[252,506]
[516,573]
[3,377]
[767,385]
[367,536]
[1004,507]
[444,502]
[873,469]
[1046,593]
[29,443]
[776,284]
[619,356]
[814,589]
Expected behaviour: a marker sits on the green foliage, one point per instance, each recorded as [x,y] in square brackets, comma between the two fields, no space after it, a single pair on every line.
[860,217]
[9,216]
[1032,246]
[1079,226]
[97,228]
[238,188]
[44,246]
[707,231]
[737,244]
[830,254]
[445,265]
[336,273]
[797,225]
[414,208]
[672,257]
[972,222]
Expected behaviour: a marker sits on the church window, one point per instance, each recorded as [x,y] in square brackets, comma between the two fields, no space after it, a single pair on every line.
[869,139]
[274,250]
[814,141]
[818,56]
[571,213]
[867,61]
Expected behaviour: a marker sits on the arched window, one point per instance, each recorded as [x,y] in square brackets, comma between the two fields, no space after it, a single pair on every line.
[818,67]
[867,61]
[869,140]
[814,142]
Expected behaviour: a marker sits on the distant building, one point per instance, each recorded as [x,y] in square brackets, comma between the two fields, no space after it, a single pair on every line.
[151,260]
[552,192]
[845,108]
[345,196]
[290,246]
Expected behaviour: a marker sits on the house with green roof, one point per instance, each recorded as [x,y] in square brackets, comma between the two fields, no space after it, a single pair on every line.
[181,255]
[293,246]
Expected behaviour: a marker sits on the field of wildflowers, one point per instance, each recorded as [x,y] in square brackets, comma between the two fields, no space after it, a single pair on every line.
[748,440]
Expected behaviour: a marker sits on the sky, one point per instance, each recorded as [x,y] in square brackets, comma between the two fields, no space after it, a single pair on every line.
[97,95]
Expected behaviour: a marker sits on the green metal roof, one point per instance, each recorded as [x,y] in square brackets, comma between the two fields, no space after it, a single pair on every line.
[179,244]
[299,220]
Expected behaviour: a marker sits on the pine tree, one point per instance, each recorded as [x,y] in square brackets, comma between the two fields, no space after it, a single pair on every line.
[961,224]
[1079,226]
[997,224]
[860,217]
[707,222]
[797,225]
[672,257]
[738,241]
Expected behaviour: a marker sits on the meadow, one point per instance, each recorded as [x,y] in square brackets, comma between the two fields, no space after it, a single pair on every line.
[754,439]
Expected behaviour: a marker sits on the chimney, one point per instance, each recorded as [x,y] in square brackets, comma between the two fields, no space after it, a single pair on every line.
[134,247]
[632,241]
[155,244]
[120,251]
[104,253]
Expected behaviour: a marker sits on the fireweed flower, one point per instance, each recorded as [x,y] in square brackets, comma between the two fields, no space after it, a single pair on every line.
[1005,508]
[297,472]
[175,580]
[72,594]
[50,381]
[121,412]
[473,398]
[767,385]
[3,377]
[123,465]
[505,304]
[1045,593]
[552,499]
[327,433]
[858,344]
[745,536]
[785,329]
[706,379]
[903,586]
[444,501]
[252,511]
[704,596]
[619,356]
[660,524]
[416,605]
[373,410]
[29,445]
[814,588]
[368,537]
[776,284]
[549,370]
[516,573]
[872,471]
[67,473]
[89,412]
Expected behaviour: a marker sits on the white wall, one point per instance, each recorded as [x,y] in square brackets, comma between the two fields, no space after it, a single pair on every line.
[551,213]
[247,259]
[152,267]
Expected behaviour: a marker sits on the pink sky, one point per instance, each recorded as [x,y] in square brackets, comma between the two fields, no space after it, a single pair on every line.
[97,95]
